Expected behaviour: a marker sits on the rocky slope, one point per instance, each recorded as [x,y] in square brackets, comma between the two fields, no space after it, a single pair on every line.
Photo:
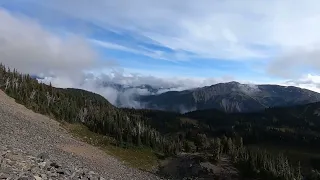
[17,164]
[230,97]
[25,135]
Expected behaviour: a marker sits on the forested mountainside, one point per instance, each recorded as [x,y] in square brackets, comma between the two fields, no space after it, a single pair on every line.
[217,133]
[296,128]
[296,125]
[79,106]
[213,134]
[230,97]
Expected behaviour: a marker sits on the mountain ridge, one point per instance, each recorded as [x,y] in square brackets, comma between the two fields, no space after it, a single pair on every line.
[230,97]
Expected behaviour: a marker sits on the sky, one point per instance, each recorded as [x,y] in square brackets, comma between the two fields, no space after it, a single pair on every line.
[176,44]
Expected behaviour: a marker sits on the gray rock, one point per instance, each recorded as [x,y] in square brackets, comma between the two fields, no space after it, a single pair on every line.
[18,165]
[43,156]
[35,170]
[14,156]
[37,178]
[27,178]
[61,171]
[67,172]
[4,176]
[42,164]
[55,165]
[44,176]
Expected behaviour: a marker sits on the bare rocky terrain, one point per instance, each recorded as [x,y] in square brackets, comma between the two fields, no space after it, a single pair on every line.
[34,146]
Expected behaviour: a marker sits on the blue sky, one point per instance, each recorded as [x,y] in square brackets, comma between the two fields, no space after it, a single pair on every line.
[206,42]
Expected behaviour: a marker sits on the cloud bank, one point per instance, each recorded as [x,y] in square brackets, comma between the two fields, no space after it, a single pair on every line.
[133,85]
[210,28]
[29,47]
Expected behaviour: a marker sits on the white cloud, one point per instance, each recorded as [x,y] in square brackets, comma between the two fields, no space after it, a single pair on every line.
[27,46]
[295,62]
[60,81]
[136,50]
[309,81]
[136,79]
[142,50]
[210,28]
[110,45]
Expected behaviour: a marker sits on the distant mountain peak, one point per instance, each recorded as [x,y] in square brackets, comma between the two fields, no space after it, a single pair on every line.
[231,97]
[233,82]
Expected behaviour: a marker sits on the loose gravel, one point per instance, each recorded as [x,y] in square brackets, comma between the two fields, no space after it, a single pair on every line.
[18,165]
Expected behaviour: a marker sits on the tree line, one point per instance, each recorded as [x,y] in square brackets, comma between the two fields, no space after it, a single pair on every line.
[252,163]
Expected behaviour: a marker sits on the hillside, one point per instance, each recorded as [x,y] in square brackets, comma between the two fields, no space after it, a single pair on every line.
[295,125]
[292,130]
[87,108]
[25,133]
[230,97]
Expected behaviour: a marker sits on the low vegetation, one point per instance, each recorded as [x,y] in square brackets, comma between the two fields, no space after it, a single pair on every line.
[142,158]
